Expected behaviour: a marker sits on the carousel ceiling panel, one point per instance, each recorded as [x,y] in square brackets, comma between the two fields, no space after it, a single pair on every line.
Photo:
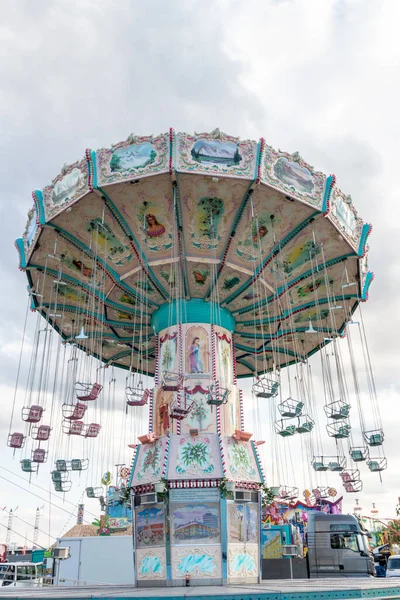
[257,230]
[92,224]
[143,287]
[268,218]
[209,210]
[147,209]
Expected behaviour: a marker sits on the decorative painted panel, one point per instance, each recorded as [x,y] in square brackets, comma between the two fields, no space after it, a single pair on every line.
[242,561]
[343,214]
[200,562]
[150,526]
[195,523]
[169,350]
[240,460]
[136,157]
[197,350]
[290,174]
[151,564]
[192,457]
[32,231]
[150,462]
[215,153]
[68,187]
[243,522]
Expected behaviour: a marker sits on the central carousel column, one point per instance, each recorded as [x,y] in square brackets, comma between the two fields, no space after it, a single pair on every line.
[196,474]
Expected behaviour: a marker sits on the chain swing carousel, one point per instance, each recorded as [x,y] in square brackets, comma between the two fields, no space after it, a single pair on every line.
[199,260]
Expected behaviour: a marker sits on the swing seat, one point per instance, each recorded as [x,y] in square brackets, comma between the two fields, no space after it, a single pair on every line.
[78,464]
[92,430]
[73,427]
[305,426]
[16,440]
[288,493]
[86,392]
[181,408]
[290,408]
[374,438]
[28,467]
[321,493]
[32,414]
[172,382]
[241,436]
[319,466]
[137,396]
[217,396]
[265,388]
[62,486]
[39,455]
[338,430]
[337,466]
[353,487]
[359,454]
[59,476]
[61,465]
[41,433]
[350,476]
[337,410]
[288,431]
[147,438]
[74,412]
[94,492]
[377,464]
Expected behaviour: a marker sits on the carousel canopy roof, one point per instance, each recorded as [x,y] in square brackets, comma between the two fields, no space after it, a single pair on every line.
[274,248]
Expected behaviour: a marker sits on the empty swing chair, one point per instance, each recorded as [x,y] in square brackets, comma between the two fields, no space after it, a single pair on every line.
[305,424]
[337,410]
[181,407]
[172,382]
[39,455]
[41,433]
[92,430]
[352,487]
[59,476]
[374,437]
[339,430]
[62,486]
[16,440]
[62,466]
[74,412]
[319,464]
[79,464]
[87,392]
[336,464]
[375,465]
[265,387]
[73,427]
[321,492]
[136,395]
[32,414]
[94,492]
[283,429]
[359,453]
[290,408]
[350,476]
[288,493]
[217,395]
[28,466]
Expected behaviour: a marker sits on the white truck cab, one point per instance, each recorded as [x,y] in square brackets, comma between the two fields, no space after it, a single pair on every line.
[393,566]
[21,574]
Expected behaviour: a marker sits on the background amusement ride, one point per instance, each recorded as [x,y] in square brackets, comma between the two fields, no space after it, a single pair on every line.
[199,260]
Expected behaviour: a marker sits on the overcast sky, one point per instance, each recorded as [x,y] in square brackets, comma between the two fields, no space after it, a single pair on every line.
[319,77]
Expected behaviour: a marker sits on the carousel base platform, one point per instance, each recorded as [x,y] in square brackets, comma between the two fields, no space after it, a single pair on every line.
[306,589]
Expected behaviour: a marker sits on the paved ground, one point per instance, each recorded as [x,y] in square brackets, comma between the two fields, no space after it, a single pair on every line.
[316,589]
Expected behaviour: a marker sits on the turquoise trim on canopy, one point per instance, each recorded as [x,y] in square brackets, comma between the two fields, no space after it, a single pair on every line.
[191,311]
[19,244]
[366,230]
[38,199]
[327,194]
[367,283]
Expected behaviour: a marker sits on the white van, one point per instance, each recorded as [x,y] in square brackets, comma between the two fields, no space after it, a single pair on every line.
[393,566]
